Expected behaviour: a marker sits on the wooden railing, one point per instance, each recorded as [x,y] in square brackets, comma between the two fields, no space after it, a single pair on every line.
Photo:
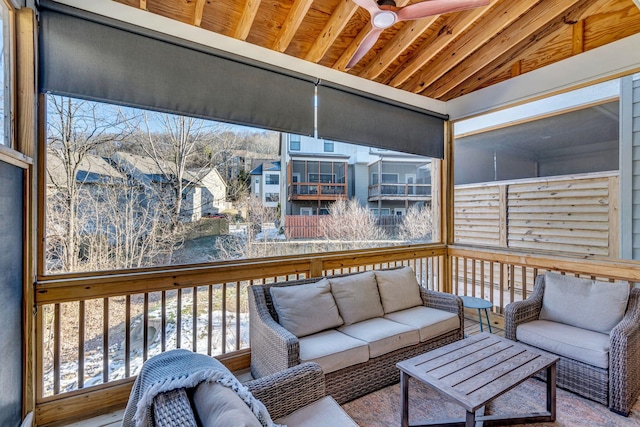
[94,332]
[503,276]
[409,191]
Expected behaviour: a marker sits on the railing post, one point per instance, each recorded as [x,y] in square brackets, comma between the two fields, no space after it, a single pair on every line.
[315,268]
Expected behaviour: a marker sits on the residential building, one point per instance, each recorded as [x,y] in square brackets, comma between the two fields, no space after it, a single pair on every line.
[398,181]
[319,172]
[265,183]
[203,191]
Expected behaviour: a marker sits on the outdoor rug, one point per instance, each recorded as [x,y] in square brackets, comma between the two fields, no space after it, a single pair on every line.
[382,408]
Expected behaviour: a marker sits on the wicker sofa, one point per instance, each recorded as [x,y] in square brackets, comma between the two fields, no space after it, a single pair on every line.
[594,327]
[406,320]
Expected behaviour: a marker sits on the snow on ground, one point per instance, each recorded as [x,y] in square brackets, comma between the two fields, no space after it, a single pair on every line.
[93,361]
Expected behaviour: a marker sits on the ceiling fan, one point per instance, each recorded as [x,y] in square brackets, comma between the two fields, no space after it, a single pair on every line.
[385,13]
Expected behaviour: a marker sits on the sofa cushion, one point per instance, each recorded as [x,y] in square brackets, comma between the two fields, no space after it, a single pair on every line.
[324,412]
[217,405]
[382,335]
[333,350]
[575,343]
[398,289]
[430,322]
[357,297]
[584,303]
[306,309]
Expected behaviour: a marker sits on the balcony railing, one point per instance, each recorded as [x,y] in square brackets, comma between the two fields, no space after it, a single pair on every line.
[95,332]
[403,191]
[316,191]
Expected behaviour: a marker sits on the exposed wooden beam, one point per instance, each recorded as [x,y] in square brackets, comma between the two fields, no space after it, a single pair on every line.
[541,16]
[247,18]
[577,42]
[338,20]
[396,46]
[447,34]
[143,4]
[524,50]
[503,14]
[291,24]
[516,68]
[197,15]
[341,63]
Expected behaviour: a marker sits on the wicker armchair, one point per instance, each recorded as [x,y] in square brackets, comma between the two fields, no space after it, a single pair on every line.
[282,393]
[618,387]
[274,348]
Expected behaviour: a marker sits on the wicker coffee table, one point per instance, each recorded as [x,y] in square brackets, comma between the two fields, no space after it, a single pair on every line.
[473,372]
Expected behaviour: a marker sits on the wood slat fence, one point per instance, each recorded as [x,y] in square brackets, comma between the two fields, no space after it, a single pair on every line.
[575,215]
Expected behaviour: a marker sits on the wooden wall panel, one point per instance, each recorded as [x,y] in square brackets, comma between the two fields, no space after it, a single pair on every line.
[570,214]
[476,211]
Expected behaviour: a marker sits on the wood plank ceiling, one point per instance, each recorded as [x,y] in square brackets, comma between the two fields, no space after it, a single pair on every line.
[441,57]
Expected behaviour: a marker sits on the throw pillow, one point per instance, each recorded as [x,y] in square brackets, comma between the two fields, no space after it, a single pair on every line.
[357,297]
[217,405]
[306,309]
[584,303]
[398,288]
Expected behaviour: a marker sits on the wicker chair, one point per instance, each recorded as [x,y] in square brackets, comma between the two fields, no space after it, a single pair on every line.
[281,393]
[273,348]
[618,387]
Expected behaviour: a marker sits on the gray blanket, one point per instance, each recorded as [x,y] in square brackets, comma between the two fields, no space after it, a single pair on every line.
[176,369]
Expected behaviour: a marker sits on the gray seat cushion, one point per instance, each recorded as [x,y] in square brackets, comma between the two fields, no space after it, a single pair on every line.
[322,413]
[382,335]
[398,288]
[430,322]
[218,405]
[333,350]
[306,309]
[584,303]
[357,297]
[575,343]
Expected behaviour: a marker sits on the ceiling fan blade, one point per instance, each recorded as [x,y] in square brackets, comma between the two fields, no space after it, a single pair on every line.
[370,5]
[367,43]
[437,7]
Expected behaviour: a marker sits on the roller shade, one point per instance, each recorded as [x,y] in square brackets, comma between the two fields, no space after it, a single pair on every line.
[91,57]
[359,118]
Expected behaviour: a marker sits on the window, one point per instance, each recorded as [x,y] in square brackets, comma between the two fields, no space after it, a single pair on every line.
[325,178]
[272,179]
[328,146]
[6,75]
[294,143]
[272,197]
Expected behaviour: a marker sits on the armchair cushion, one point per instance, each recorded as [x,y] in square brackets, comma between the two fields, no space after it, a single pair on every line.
[333,350]
[217,405]
[584,303]
[382,335]
[357,297]
[398,288]
[306,309]
[430,322]
[572,342]
[322,413]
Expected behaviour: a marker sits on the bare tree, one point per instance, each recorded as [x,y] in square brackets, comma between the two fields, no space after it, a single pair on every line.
[350,223]
[417,224]
[177,145]
[76,128]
